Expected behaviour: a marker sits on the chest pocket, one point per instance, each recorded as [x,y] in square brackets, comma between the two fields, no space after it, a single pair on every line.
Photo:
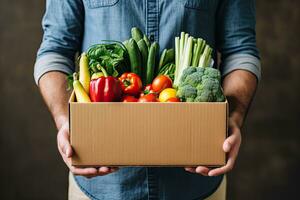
[101,3]
[197,4]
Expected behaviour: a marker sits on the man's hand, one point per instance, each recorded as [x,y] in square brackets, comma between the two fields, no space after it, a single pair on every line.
[54,84]
[66,152]
[239,88]
[230,146]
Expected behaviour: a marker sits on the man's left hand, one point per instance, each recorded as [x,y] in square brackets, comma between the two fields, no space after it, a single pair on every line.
[231,146]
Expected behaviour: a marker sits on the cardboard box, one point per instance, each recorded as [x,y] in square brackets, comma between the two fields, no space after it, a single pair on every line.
[148,134]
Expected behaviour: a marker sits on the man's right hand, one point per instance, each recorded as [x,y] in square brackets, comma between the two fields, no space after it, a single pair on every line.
[65,150]
[54,84]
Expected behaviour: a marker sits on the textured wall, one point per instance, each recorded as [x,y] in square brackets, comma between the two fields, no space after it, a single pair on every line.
[269,161]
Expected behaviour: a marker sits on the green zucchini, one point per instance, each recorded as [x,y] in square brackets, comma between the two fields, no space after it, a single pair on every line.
[136,34]
[170,56]
[154,48]
[147,41]
[144,53]
[162,59]
[134,56]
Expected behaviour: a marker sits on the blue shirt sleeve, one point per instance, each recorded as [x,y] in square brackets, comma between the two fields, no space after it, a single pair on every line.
[63,29]
[236,37]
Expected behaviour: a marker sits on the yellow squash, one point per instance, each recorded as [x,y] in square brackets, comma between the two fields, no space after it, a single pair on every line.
[84,73]
[81,95]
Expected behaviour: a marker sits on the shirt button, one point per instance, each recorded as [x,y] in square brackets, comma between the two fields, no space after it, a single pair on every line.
[152,38]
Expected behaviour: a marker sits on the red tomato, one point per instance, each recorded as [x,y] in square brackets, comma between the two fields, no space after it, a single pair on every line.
[160,83]
[173,99]
[148,98]
[129,99]
[147,90]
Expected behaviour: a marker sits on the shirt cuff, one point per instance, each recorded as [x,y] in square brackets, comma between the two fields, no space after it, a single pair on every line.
[242,61]
[52,62]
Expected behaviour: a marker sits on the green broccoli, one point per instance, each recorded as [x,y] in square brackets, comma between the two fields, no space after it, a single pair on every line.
[193,79]
[219,96]
[212,73]
[187,93]
[187,72]
[200,84]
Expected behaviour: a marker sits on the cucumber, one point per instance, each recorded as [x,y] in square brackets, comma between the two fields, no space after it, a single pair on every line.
[167,56]
[134,57]
[125,43]
[136,34]
[147,41]
[162,59]
[154,48]
[144,53]
[170,56]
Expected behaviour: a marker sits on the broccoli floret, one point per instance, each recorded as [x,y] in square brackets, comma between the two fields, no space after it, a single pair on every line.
[187,92]
[189,100]
[205,96]
[207,91]
[220,96]
[193,79]
[200,84]
[201,69]
[186,72]
[212,73]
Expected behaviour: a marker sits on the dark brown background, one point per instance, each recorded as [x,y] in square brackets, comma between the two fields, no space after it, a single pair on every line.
[269,161]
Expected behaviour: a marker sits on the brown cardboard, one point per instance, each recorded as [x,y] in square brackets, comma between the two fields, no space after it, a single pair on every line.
[148,134]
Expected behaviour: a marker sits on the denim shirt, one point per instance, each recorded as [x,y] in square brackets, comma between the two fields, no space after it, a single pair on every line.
[72,26]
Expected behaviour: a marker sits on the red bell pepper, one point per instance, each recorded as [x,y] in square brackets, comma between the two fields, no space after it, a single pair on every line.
[131,83]
[105,88]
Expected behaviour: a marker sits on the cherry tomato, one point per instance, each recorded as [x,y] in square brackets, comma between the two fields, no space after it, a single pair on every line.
[129,99]
[147,90]
[160,83]
[173,99]
[148,98]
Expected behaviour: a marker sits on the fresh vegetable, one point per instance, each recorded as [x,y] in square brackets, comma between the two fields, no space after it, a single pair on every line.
[136,34]
[168,70]
[84,73]
[131,83]
[177,51]
[199,84]
[147,41]
[81,95]
[154,48]
[166,94]
[167,56]
[205,58]
[128,98]
[160,83]
[148,98]
[147,90]
[111,55]
[97,75]
[144,53]
[105,89]
[190,51]
[134,56]
[173,99]
[166,64]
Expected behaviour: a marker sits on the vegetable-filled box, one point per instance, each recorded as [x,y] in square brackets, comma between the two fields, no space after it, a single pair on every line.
[148,134]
